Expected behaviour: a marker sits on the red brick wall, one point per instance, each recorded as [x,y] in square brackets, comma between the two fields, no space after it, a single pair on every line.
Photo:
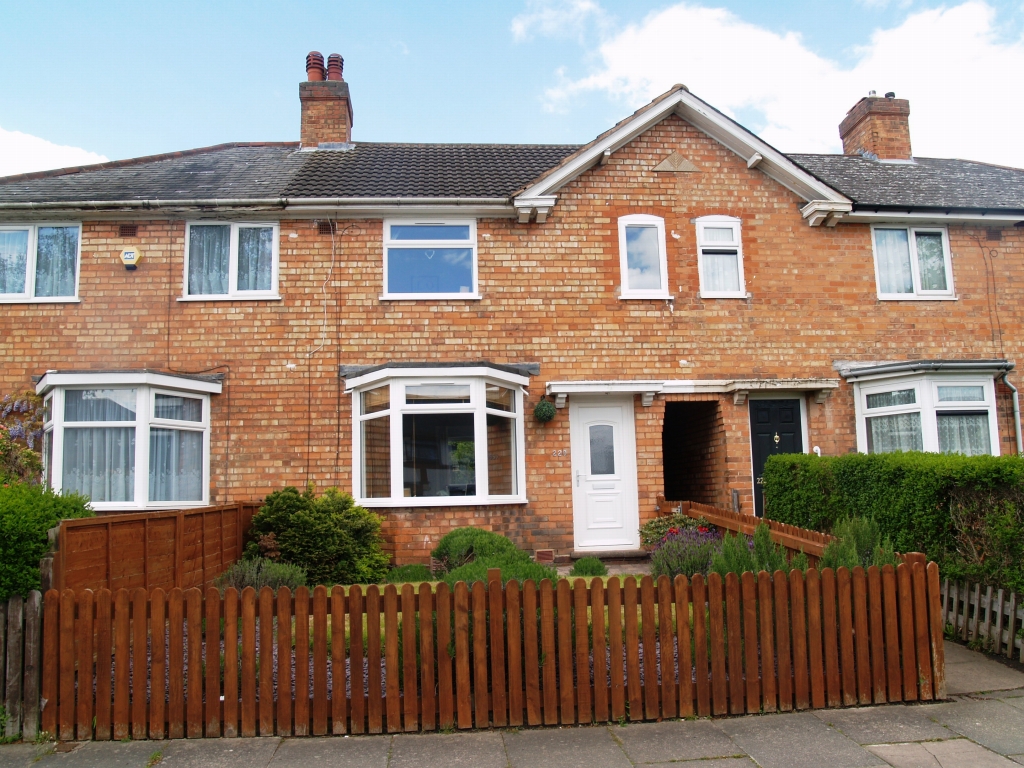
[549,296]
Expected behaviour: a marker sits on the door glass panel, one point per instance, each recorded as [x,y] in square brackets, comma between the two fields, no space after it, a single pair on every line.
[602,450]
[931,261]
[965,433]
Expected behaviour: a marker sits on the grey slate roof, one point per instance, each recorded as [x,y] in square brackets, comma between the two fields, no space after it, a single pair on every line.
[926,183]
[274,171]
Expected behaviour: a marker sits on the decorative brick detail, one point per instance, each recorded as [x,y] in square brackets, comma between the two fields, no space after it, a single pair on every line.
[880,126]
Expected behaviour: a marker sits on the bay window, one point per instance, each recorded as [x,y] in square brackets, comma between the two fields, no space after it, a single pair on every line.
[128,440]
[432,437]
[934,412]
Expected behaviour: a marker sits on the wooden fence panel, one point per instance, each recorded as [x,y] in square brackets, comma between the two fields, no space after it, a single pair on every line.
[487,655]
[33,665]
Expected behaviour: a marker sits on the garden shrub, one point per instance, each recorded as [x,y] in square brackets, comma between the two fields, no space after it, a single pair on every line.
[741,553]
[27,512]
[589,566]
[259,573]
[332,539]
[858,542]
[18,463]
[685,551]
[988,537]
[515,565]
[463,545]
[653,531]
[408,574]
[938,504]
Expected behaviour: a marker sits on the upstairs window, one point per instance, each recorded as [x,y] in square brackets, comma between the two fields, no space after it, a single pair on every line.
[430,260]
[642,257]
[39,262]
[720,258]
[231,261]
[912,263]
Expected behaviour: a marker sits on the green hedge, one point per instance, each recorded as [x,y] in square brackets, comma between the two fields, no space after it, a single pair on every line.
[914,497]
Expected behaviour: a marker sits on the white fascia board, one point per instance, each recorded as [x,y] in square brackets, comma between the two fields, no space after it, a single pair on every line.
[687,386]
[358,382]
[53,379]
[928,217]
[715,125]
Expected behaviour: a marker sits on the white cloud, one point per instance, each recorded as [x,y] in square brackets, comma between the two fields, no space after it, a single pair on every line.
[561,18]
[22,153]
[949,62]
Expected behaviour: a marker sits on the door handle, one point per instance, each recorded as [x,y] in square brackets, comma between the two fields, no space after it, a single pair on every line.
[578,478]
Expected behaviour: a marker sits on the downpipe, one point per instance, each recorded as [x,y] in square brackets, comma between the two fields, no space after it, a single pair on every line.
[1016,414]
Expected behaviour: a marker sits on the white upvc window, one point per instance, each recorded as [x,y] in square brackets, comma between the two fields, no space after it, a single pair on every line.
[430,259]
[438,437]
[128,446]
[912,262]
[935,412]
[231,260]
[39,262]
[720,258]
[642,257]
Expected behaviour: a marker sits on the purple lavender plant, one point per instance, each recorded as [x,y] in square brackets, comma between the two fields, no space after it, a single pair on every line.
[685,551]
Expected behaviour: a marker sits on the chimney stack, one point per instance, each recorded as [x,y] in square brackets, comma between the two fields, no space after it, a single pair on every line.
[878,128]
[325,101]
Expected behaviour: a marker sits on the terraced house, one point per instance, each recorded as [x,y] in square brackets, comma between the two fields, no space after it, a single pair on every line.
[387,317]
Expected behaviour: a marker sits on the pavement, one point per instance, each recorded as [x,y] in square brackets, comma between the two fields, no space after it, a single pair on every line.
[981,726]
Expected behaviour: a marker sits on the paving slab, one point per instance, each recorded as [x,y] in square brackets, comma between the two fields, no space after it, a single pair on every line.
[720,762]
[675,740]
[587,747]
[795,740]
[484,749]
[18,755]
[961,753]
[989,722]
[104,754]
[879,725]
[1013,701]
[1017,759]
[905,755]
[216,753]
[970,671]
[332,752]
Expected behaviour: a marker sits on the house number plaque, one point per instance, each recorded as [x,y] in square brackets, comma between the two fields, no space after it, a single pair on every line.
[560,452]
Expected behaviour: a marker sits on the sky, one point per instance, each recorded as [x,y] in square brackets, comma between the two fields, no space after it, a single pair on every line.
[87,81]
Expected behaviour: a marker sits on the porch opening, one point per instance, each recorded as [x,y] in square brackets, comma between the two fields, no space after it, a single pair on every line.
[693,452]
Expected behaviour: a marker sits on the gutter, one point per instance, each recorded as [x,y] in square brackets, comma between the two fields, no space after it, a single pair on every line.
[268,202]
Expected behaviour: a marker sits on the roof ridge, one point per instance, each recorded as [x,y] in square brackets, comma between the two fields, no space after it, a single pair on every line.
[458,144]
[140,160]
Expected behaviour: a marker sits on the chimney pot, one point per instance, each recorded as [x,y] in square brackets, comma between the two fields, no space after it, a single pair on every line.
[890,95]
[872,94]
[335,65]
[314,66]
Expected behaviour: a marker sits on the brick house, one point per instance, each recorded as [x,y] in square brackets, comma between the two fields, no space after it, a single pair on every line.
[387,317]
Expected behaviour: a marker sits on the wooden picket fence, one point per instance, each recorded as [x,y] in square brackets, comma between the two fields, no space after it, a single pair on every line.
[793,538]
[188,664]
[991,616]
[21,622]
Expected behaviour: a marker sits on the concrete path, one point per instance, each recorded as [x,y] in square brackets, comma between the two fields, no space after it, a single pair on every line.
[980,729]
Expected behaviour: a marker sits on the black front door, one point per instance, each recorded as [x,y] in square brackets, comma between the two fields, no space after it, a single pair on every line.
[774,428]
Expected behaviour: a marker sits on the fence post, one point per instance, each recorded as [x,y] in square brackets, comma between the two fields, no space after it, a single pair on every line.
[15,640]
[33,664]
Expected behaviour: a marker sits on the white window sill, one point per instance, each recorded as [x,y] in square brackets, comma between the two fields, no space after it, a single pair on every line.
[647,297]
[721,295]
[155,506]
[440,501]
[431,297]
[914,297]
[267,297]
[40,300]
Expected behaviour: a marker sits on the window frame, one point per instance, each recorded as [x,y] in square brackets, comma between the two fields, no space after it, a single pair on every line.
[388,242]
[918,293]
[927,403]
[645,220]
[398,380]
[146,389]
[233,293]
[719,222]
[29,297]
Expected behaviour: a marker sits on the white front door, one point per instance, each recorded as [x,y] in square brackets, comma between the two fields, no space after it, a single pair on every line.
[606,514]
